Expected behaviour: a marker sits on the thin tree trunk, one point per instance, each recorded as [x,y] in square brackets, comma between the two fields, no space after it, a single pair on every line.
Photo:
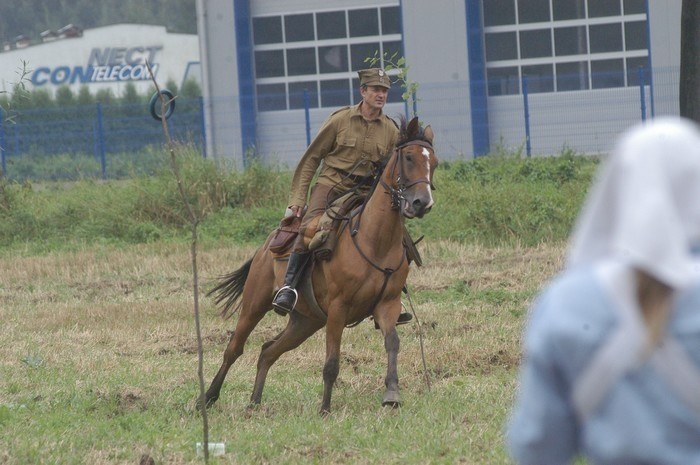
[689,89]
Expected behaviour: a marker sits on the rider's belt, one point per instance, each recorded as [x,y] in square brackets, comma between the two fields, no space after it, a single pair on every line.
[357,179]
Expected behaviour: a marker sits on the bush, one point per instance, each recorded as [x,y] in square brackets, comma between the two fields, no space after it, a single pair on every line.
[497,200]
[489,201]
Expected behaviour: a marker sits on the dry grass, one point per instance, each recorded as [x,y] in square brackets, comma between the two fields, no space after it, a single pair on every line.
[98,363]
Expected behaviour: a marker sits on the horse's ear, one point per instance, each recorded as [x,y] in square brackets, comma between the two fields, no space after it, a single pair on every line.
[412,128]
[428,133]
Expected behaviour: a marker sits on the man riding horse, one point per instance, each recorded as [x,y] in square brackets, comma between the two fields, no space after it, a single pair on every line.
[348,143]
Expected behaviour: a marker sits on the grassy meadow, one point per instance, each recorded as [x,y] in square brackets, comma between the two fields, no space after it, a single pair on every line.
[98,357]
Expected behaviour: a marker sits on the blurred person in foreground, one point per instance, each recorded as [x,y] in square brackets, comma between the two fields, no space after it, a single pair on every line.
[611,367]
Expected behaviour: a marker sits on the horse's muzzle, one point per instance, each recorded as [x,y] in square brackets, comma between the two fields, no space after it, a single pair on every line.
[418,207]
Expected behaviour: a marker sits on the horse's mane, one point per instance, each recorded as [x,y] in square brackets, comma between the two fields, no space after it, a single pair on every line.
[410,131]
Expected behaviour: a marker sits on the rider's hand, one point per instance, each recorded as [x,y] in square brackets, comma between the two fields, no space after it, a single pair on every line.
[293,210]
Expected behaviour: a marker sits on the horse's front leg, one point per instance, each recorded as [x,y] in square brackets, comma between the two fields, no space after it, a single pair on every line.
[391,345]
[387,324]
[331,368]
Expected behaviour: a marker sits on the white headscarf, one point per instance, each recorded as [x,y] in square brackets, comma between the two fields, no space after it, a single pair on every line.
[644,208]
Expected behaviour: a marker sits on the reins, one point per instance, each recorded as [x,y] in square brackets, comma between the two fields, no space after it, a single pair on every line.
[396,198]
[420,338]
[401,186]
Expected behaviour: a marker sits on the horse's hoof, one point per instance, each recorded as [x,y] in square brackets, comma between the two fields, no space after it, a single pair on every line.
[391,399]
[208,403]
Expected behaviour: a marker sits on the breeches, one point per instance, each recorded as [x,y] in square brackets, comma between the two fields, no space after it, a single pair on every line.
[320,197]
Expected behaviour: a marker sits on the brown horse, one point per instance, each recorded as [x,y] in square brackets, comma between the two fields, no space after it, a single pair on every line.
[364,277]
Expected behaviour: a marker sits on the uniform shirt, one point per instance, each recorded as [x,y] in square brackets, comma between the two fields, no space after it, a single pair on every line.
[345,139]
[641,419]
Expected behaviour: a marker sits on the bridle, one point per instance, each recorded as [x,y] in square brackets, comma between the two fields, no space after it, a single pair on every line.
[402,185]
[397,196]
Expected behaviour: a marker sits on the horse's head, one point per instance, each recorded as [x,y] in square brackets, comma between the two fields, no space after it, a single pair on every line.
[409,177]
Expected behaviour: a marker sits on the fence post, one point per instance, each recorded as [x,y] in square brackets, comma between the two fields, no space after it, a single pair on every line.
[202,126]
[526,109]
[17,139]
[307,117]
[642,96]
[101,141]
[2,144]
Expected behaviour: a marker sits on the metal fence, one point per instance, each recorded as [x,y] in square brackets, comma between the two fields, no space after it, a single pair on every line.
[530,122]
[99,130]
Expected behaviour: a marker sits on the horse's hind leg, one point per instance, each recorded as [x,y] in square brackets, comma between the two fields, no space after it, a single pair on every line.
[246,323]
[298,329]
[256,300]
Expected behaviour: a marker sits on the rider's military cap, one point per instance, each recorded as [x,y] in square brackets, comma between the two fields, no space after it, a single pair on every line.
[374,77]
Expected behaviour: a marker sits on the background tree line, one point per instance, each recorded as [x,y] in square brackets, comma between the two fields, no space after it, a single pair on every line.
[31,17]
[22,98]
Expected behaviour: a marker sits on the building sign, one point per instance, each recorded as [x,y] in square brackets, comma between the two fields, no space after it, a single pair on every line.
[109,64]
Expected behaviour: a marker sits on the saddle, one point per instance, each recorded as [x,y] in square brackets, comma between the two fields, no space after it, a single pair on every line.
[284,236]
[321,235]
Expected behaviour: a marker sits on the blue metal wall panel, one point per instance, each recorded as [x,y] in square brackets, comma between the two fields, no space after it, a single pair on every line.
[246,78]
[477,78]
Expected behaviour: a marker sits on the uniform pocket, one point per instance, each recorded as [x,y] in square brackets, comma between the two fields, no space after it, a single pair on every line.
[347,141]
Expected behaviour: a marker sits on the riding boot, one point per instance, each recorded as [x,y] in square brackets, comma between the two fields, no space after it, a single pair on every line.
[286,297]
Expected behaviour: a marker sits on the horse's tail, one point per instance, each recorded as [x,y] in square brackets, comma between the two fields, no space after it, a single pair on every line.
[230,288]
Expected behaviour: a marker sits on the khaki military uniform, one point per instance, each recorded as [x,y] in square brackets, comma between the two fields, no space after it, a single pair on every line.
[346,143]
[344,149]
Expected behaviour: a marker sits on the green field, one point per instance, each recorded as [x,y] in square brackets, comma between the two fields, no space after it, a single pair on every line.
[98,345]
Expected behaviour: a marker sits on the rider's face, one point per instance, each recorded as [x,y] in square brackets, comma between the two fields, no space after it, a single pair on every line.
[374,96]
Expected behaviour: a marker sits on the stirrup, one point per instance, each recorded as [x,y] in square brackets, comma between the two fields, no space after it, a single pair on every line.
[404,317]
[282,310]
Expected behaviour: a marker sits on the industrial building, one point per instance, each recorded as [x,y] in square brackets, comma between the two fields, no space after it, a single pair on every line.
[589,69]
[529,76]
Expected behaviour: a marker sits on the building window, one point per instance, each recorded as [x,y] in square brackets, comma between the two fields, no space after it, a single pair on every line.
[271,97]
[601,8]
[331,25]
[335,93]
[636,36]
[635,7]
[607,73]
[536,44]
[540,78]
[568,9]
[333,59]
[267,30]
[533,11]
[318,55]
[572,76]
[269,63]
[501,46]
[300,91]
[363,22]
[301,61]
[637,68]
[605,38]
[570,41]
[391,20]
[564,45]
[503,81]
[499,12]
[299,28]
